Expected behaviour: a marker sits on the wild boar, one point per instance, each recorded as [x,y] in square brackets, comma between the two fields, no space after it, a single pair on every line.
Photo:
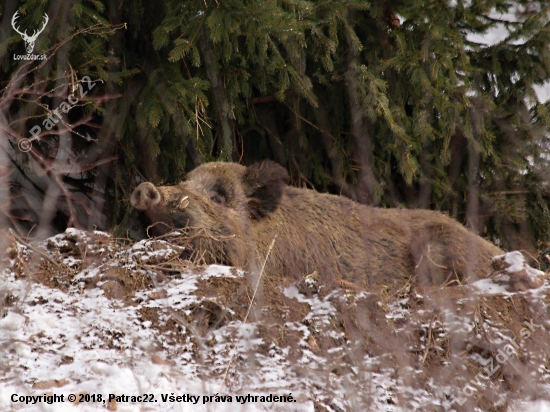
[241,209]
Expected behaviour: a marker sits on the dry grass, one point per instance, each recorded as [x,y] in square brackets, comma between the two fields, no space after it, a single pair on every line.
[430,343]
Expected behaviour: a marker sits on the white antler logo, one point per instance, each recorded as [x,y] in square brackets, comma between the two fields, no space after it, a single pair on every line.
[29,40]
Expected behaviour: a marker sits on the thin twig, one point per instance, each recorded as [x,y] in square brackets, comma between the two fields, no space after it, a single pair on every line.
[428,342]
[247,312]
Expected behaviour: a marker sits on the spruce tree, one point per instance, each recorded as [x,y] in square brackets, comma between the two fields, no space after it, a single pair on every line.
[392,103]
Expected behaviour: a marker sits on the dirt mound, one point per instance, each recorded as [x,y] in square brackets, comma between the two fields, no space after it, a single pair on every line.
[85,313]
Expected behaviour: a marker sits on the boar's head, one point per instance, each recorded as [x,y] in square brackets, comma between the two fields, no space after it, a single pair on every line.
[218,200]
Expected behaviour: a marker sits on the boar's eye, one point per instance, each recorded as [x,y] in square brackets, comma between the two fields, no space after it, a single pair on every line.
[218,194]
[217,198]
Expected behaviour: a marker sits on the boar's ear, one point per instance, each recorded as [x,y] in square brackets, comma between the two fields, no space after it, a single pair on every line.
[263,186]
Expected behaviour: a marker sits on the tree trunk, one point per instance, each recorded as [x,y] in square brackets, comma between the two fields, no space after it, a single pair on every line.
[266,116]
[221,105]
[333,153]
[472,208]
[362,153]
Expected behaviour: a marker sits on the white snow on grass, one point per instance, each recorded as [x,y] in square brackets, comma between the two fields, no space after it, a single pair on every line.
[83,342]
[93,344]
[111,351]
[487,286]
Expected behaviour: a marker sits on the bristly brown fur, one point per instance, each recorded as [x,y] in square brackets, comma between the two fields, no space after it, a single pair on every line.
[340,239]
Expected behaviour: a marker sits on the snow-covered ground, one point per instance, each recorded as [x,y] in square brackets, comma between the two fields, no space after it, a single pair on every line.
[79,342]
[115,325]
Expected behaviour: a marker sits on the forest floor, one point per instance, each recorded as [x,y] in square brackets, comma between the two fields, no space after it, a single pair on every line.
[109,321]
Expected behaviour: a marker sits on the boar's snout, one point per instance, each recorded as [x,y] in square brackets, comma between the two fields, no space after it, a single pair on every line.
[145,196]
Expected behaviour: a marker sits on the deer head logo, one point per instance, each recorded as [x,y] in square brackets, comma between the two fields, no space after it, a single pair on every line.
[29,40]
